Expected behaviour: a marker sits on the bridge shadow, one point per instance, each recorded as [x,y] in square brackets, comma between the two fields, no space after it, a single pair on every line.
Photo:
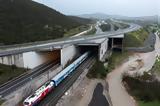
[98,98]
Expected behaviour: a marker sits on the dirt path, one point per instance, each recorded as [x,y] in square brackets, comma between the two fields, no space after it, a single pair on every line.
[157,46]
[118,94]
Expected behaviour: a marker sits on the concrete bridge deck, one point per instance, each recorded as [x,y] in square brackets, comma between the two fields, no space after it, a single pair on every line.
[60,43]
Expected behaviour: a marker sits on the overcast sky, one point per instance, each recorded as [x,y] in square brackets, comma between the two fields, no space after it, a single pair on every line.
[112,7]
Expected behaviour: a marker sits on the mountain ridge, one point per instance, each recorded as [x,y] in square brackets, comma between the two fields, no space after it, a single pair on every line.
[106,16]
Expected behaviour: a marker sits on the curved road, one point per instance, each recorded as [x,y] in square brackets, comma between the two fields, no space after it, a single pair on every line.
[15,49]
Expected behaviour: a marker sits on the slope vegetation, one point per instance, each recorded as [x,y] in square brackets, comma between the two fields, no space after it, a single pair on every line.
[24,21]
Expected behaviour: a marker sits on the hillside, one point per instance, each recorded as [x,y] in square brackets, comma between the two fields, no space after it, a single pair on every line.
[159,20]
[81,20]
[145,20]
[24,21]
[95,15]
[101,16]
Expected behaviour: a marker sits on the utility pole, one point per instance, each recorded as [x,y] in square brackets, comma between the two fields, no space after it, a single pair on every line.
[48,75]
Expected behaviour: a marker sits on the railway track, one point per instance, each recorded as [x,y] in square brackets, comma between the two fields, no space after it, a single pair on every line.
[58,92]
[12,85]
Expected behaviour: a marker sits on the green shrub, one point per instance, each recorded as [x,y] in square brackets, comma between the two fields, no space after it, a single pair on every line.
[98,71]
[116,59]
[146,91]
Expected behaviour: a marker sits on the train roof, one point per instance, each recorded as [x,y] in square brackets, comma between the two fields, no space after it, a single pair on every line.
[63,72]
[67,68]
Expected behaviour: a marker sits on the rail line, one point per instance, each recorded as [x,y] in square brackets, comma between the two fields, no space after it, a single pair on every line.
[58,92]
[10,86]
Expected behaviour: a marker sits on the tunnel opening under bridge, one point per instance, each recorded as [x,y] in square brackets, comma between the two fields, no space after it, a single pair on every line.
[94,49]
[115,43]
[34,59]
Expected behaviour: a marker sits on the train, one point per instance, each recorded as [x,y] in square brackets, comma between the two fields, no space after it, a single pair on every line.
[49,86]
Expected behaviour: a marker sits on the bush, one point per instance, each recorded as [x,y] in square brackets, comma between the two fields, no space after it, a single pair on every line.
[116,59]
[98,71]
[147,91]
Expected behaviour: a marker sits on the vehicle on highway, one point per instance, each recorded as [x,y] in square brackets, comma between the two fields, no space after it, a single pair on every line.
[39,94]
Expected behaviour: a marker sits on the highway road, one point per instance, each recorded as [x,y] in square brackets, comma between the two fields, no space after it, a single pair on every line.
[58,92]
[49,45]
[99,31]
[10,86]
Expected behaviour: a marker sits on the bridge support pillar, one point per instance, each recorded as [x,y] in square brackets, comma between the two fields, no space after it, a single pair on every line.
[103,47]
[13,60]
[67,54]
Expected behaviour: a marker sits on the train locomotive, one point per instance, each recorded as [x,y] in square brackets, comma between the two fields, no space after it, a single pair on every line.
[40,93]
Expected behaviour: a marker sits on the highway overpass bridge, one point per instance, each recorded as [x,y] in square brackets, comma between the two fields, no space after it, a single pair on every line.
[31,55]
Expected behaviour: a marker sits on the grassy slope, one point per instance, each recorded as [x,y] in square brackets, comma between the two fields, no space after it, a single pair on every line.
[1,101]
[97,71]
[92,32]
[76,30]
[9,72]
[81,20]
[24,21]
[156,67]
[136,38]
[105,27]
[116,59]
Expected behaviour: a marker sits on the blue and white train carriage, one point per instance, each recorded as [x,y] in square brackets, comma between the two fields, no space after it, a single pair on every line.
[39,94]
[63,74]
